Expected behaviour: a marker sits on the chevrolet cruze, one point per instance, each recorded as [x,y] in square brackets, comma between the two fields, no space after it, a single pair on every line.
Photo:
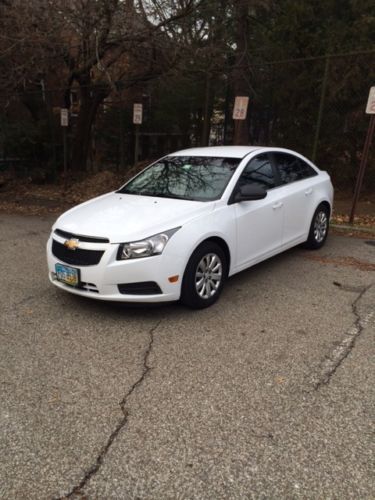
[179,228]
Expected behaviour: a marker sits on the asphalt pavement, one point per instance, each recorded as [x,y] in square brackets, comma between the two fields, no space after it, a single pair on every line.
[267,394]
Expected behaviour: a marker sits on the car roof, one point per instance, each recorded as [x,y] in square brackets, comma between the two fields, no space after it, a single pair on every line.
[218,151]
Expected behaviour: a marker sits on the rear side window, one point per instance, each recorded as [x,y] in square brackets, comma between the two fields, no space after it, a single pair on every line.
[291,168]
[258,172]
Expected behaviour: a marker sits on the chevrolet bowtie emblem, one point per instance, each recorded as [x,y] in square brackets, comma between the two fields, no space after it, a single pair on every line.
[71,244]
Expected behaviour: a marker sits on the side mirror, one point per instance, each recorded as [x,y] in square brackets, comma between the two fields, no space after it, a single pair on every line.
[250,192]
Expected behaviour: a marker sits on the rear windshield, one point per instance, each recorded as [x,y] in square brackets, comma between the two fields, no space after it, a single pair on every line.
[184,177]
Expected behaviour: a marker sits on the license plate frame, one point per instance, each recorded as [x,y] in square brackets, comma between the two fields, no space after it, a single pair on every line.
[67,274]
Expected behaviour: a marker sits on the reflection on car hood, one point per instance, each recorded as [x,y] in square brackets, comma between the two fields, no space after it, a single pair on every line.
[124,217]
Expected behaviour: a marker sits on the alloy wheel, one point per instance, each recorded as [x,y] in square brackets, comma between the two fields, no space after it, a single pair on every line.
[320,226]
[208,275]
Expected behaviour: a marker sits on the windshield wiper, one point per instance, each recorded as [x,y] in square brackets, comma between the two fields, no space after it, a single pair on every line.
[136,193]
[174,196]
[157,195]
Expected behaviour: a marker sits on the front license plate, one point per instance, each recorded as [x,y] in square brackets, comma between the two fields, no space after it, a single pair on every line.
[66,274]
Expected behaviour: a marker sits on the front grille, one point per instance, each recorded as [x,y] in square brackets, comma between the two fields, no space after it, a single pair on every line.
[141,288]
[87,239]
[78,257]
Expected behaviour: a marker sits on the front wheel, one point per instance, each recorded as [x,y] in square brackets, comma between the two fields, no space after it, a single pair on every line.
[204,276]
[319,228]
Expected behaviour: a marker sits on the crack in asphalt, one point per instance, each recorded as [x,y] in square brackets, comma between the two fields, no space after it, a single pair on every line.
[77,490]
[332,361]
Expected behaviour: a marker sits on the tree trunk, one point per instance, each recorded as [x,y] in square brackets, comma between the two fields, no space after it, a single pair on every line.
[240,85]
[90,101]
[207,111]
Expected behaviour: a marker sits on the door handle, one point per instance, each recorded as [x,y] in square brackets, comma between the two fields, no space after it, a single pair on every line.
[308,191]
[279,204]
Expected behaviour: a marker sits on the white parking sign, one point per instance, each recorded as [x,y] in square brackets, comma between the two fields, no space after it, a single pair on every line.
[240,108]
[64,117]
[137,113]
[370,108]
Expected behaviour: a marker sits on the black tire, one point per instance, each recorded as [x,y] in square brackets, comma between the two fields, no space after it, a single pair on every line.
[319,228]
[198,295]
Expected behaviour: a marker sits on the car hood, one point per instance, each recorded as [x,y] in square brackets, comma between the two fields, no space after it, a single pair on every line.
[123,217]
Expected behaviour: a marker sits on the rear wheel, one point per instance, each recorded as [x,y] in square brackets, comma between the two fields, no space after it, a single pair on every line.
[319,228]
[204,276]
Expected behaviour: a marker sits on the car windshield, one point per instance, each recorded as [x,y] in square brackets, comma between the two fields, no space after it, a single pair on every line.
[184,177]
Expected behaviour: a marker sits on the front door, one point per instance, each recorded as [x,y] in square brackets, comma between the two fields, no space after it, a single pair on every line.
[259,223]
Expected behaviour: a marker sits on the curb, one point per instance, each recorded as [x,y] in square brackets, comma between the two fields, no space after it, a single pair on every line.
[345,227]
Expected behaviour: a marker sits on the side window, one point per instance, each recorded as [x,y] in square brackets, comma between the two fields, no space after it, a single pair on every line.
[258,171]
[292,168]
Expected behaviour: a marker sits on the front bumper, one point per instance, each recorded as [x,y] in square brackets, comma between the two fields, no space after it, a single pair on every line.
[101,281]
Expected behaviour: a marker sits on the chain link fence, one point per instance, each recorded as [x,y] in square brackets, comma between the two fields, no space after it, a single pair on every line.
[317,107]
[313,105]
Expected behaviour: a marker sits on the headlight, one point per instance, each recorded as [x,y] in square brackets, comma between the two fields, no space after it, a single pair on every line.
[154,245]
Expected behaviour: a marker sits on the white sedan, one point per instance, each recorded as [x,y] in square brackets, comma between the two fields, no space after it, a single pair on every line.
[184,224]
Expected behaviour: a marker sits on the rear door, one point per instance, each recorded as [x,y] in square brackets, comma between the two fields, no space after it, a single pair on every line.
[296,181]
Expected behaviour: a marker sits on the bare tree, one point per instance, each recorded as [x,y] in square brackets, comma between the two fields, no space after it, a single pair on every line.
[96,47]
[204,39]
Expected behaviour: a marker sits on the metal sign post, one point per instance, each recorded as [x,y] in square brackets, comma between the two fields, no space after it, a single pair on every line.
[321,107]
[137,120]
[64,121]
[370,109]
